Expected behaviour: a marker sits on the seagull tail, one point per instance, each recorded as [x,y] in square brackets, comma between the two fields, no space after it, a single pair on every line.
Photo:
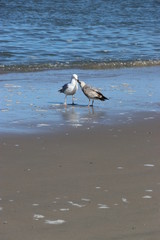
[103,98]
[60,90]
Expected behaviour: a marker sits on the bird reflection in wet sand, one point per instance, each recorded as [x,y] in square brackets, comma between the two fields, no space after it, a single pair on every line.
[70,115]
[76,116]
[70,88]
[91,93]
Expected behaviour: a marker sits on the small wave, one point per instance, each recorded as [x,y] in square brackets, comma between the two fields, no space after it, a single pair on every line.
[88,65]
[6,54]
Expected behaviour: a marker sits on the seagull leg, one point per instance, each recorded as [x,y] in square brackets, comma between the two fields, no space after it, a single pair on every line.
[92,102]
[72,99]
[89,102]
[65,101]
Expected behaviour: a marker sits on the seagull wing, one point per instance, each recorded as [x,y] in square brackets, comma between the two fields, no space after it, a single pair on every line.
[64,88]
[68,89]
[90,92]
[93,93]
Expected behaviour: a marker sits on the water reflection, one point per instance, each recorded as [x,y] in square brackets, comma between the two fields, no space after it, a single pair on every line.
[69,114]
[79,115]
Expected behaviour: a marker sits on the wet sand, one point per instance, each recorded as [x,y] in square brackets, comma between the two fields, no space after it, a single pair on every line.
[31,102]
[100,183]
[77,172]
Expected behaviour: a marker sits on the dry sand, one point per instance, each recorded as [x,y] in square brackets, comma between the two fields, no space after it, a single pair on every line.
[82,184]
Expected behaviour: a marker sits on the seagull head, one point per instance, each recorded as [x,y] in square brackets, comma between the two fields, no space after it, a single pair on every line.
[81,83]
[75,76]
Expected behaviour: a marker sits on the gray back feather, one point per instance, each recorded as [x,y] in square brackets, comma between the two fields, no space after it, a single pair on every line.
[90,92]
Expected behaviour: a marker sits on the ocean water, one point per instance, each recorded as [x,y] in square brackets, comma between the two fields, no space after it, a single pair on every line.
[47,34]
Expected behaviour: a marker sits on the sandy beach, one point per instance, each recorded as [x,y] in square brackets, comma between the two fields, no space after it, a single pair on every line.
[79,173]
[76,172]
[96,184]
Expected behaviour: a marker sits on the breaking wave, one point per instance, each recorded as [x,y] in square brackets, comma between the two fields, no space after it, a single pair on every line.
[88,65]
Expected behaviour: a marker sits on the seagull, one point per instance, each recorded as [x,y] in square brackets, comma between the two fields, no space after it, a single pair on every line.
[70,88]
[91,93]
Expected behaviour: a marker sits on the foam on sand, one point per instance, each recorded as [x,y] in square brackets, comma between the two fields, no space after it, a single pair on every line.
[147,197]
[103,206]
[37,216]
[149,165]
[55,222]
[76,204]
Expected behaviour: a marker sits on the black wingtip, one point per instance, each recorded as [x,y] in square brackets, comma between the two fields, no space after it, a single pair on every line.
[104,98]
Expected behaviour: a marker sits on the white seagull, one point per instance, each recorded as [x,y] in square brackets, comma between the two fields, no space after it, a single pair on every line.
[70,88]
[91,92]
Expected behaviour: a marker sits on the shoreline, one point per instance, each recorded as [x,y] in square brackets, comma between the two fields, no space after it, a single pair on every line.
[89,65]
[31,102]
[118,121]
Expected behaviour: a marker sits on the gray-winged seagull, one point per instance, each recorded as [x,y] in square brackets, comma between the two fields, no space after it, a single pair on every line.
[70,88]
[91,92]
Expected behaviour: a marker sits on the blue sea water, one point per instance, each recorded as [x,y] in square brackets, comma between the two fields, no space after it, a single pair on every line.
[47,34]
